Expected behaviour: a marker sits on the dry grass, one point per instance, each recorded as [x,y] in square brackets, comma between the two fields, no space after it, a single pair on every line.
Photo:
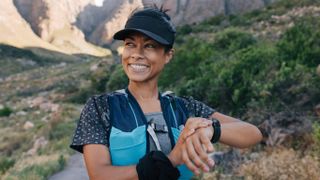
[282,164]
[35,167]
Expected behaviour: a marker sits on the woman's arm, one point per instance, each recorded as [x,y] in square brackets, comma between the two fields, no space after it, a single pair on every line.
[98,163]
[194,146]
[237,133]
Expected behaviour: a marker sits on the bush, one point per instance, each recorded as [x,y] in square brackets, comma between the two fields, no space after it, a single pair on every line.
[118,79]
[316,137]
[301,43]
[184,30]
[6,111]
[5,164]
[61,130]
[232,39]
[185,64]
[99,80]
[42,171]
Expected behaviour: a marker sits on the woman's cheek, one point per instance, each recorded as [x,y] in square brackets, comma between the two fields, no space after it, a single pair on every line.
[125,54]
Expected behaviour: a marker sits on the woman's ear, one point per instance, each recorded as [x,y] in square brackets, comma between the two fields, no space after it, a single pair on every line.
[169,55]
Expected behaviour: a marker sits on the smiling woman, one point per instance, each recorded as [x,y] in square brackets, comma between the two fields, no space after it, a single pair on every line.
[143,58]
[139,132]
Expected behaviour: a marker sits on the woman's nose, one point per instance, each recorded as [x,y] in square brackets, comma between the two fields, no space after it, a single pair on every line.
[138,53]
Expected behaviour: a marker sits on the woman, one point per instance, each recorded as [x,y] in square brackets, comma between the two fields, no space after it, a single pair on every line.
[141,133]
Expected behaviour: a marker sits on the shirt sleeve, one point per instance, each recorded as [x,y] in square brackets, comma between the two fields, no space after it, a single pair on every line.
[197,108]
[92,128]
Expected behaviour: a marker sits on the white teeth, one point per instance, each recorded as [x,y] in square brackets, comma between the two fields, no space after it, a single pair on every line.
[139,67]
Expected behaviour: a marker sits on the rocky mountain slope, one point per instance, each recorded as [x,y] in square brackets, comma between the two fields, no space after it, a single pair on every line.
[14,30]
[68,25]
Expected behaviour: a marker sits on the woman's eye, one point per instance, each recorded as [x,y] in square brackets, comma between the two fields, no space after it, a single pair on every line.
[151,46]
[129,44]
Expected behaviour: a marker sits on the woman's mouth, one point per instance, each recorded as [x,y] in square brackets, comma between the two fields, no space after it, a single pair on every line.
[138,67]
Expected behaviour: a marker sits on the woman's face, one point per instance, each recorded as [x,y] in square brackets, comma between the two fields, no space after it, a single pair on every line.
[143,58]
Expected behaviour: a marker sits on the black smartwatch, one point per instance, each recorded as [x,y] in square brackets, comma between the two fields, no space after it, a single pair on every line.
[216,131]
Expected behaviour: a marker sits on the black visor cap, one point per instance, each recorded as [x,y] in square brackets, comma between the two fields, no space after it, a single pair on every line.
[155,27]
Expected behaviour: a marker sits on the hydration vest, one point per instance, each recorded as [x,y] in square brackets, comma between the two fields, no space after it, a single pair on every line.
[128,138]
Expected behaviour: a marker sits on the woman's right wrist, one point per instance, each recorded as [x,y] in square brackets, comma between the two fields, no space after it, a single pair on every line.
[173,159]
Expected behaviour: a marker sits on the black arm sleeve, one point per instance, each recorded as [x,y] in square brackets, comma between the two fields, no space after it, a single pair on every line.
[93,125]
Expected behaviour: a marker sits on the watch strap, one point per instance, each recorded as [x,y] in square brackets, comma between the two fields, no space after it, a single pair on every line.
[216,131]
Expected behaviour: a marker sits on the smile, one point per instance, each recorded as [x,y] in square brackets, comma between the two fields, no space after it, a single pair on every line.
[138,67]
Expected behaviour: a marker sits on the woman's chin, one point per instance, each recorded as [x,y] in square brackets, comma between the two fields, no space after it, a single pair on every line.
[138,78]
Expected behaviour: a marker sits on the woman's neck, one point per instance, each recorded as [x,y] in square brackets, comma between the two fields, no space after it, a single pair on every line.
[144,91]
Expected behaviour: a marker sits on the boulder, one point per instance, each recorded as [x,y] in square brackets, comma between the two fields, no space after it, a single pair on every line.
[28,125]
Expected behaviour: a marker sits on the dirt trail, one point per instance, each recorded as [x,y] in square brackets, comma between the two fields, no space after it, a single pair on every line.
[75,169]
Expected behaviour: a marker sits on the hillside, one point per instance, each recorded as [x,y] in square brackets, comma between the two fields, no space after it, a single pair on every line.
[259,66]
[37,109]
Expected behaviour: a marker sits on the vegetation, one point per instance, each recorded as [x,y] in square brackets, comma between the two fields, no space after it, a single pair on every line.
[6,111]
[260,67]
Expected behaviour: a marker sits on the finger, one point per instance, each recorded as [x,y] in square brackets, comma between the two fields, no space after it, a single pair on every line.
[192,130]
[205,141]
[199,123]
[189,163]
[188,133]
[201,151]
[194,157]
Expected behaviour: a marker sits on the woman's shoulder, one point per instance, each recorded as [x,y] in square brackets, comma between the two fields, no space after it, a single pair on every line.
[103,97]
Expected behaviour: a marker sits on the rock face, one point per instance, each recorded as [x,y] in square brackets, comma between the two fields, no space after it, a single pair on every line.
[69,24]
[193,11]
[181,11]
[53,21]
[115,16]
[14,30]
[46,17]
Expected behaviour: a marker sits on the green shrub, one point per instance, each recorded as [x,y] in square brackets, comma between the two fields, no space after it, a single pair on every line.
[316,136]
[232,40]
[301,43]
[185,64]
[99,78]
[215,21]
[6,111]
[5,164]
[61,130]
[118,79]
[184,30]
[42,171]
[236,20]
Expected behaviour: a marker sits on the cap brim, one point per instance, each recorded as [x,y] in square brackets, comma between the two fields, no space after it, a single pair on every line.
[122,34]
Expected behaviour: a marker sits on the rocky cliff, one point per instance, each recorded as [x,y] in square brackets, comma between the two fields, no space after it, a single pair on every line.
[14,30]
[70,24]
[53,21]
[181,11]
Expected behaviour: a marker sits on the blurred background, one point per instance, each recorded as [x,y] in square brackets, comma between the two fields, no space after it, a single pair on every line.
[258,60]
